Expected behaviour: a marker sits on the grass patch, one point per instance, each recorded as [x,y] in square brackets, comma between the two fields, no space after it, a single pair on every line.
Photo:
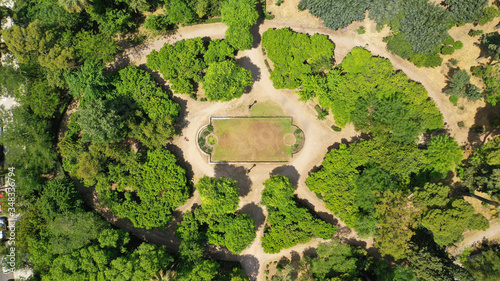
[252,139]
[267,108]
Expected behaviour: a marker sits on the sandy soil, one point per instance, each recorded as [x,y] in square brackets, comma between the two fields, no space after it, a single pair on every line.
[319,137]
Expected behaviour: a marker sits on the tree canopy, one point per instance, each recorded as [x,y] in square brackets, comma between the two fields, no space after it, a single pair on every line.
[289,224]
[225,81]
[296,55]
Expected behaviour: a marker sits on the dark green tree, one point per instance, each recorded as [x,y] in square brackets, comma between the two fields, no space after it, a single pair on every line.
[225,81]
[218,196]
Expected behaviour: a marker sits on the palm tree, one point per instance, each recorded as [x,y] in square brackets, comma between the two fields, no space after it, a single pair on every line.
[168,275]
[73,5]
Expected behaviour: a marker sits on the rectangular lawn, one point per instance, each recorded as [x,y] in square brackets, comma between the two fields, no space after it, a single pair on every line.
[253,139]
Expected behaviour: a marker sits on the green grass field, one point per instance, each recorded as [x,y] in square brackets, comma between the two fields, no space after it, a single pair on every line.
[252,139]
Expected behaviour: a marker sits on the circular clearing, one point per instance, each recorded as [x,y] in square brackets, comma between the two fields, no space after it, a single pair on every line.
[212,140]
[289,139]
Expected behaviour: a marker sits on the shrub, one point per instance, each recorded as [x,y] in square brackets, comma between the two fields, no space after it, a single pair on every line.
[158,23]
[321,112]
[298,131]
[201,141]
[453,62]
[475,32]
[449,41]
[206,133]
[458,45]
[454,100]
[361,30]
[379,27]
[479,71]
[336,128]
[431,59]
[447,50]
[489,13]
[279,2]
[210,128]
[461,124]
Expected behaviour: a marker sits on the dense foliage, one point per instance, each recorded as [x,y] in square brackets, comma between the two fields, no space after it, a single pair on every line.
[460,86]
[482,172]
[185,64]
[336,14]
[289,224]
[216,222]
[296,55]
[367,184]
[336,261]
[225,81]
[239,16]
[484,265]
[367,91]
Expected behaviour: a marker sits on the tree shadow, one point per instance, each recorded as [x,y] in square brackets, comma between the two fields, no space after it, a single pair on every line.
[179,154]
[329,218]
[158,78]
[255,212]
[254,29]
[310,252]
[121,61]
[287,171]
[247,64]
[486,123]
[250,265]
[182,122]
[237,173]
[354,139]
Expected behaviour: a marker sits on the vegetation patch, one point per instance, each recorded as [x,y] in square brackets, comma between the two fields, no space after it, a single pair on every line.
[287,223]
[295,55]
[353,91]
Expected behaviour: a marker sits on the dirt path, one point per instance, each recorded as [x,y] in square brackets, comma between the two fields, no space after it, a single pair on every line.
[471,238]
[319,137]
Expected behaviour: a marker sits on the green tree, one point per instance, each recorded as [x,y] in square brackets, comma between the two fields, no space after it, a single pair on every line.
[73,5]
[336,14]
[430,262]
[225,81]
[29,140]
[218,51]
[289,224]
[59,196]
[464,11]
[296,55]
[444,154]
[491,42]
[235,232]
[239,15]
[218,196]
[395,221]
[425,25]
[42,98]
[446,218]
[100,123]
[485,265]
[72,231]
[337,260]
[95,47]
[156,188]
[89,83]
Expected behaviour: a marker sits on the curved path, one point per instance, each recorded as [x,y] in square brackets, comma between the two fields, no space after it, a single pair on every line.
[319,137]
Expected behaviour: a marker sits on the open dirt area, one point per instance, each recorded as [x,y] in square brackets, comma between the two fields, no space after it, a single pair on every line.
[319,137]
[251,139]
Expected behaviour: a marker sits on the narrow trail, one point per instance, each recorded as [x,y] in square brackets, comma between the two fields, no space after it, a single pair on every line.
[319,137]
